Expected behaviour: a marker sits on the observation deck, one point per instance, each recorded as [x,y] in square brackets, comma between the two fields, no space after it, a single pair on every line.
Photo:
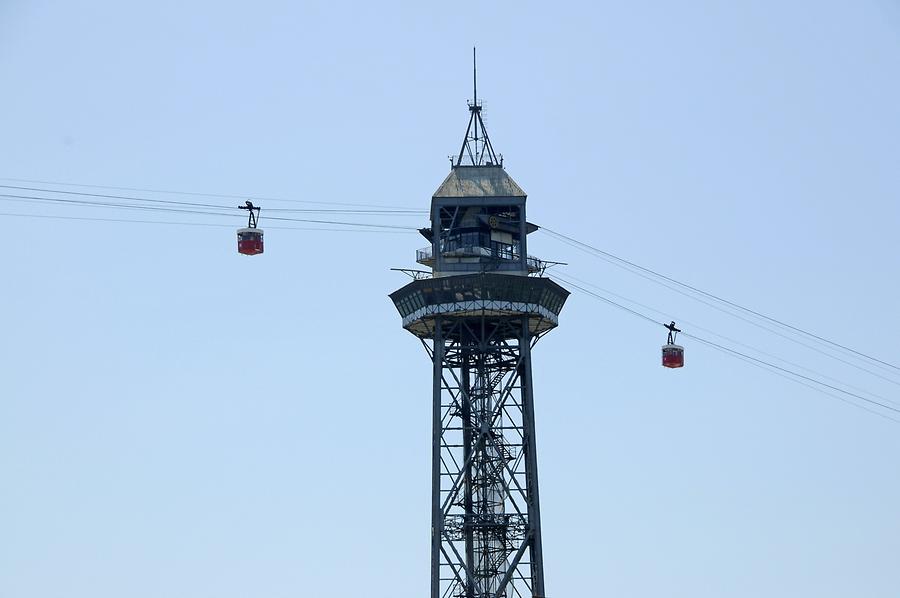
[474,253]
[477,296]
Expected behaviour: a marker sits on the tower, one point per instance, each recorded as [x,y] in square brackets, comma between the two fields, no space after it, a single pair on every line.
[479,312]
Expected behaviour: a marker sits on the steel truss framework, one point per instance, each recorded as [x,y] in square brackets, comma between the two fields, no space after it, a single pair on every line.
[486,528]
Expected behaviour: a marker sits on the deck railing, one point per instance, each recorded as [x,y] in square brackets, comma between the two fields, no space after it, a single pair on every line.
[425,256]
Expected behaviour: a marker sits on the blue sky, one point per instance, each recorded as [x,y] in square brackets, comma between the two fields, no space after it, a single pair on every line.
[177,420]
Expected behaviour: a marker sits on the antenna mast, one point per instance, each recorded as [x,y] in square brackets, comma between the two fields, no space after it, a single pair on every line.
[474,77]
[478,150]
[475,103]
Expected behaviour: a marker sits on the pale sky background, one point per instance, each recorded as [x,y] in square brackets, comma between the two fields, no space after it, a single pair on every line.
[179,421]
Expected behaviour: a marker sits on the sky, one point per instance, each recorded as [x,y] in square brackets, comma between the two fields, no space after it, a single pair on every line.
[180,421]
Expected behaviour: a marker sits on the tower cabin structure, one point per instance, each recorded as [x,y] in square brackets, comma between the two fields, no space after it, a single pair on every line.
[479,312]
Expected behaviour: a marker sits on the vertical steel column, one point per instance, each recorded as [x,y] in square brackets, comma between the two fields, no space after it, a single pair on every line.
[466,418]
[437,518]
[436,252]
[531,470]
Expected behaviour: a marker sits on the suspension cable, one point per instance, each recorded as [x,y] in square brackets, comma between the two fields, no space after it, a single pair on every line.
[821,386]
[198,194]
[568,279]
[722,300]
[368,212]
[179,210]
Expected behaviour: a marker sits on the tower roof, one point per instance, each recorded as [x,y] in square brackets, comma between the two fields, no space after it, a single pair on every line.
[478,181]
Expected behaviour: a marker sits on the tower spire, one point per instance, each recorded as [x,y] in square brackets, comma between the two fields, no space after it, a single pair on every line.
[474,77]
[476,149]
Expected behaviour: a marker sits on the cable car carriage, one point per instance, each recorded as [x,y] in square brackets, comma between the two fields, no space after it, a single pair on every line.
[250,239]
[672,354]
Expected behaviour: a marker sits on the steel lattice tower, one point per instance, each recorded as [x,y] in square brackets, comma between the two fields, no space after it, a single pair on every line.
[479,312]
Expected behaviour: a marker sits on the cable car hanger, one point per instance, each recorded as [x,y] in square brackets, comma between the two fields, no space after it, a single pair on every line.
[673,332]
[253,213]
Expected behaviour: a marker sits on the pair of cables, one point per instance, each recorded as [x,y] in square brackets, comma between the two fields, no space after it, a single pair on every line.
[366,217]
[880,405]
[363,214]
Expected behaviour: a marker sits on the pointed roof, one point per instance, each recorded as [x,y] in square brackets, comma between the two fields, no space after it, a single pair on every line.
[478,181]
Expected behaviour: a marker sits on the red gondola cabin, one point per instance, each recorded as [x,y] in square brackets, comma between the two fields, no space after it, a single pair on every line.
[673,356]
[250,241]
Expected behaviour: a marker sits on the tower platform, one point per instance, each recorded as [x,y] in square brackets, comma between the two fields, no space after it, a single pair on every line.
[478,296]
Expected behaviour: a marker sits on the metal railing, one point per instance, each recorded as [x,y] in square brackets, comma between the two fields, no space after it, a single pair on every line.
[425,256]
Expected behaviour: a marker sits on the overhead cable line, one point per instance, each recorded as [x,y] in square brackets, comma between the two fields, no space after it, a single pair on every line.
[205,224]
[635,268]
[197,194]
[722,300]
[343,223]
[367,212]
[607,300]
[787,371]
[178,210]
[821,386]
[810,386]
[106,204]
[180,207]
[668,316]
[757,324]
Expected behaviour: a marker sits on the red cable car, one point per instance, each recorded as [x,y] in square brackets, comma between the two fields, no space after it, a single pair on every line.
[672,354]
[250,239]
